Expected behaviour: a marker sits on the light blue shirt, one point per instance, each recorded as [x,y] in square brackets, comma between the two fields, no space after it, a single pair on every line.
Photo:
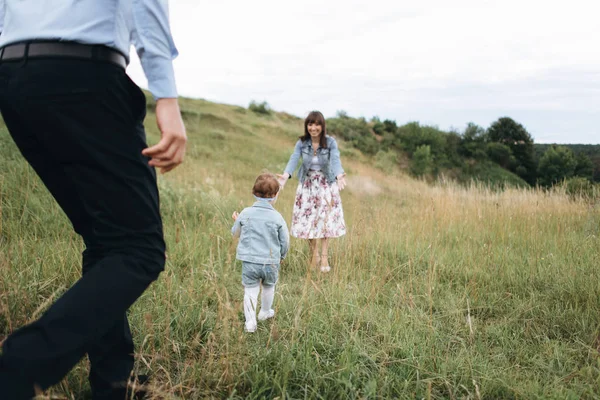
[264,235]
[113,23]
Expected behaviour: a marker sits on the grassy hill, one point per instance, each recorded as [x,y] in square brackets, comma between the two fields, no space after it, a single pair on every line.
[437,291]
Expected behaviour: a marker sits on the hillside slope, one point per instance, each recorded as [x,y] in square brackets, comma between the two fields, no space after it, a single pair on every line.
[436,291]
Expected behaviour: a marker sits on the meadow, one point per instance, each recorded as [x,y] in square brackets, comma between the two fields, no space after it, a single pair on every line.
[438,291]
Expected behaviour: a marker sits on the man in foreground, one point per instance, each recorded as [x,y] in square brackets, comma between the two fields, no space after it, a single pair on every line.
[77,119]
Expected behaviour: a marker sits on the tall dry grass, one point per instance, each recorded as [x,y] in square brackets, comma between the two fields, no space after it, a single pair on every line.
[438,292]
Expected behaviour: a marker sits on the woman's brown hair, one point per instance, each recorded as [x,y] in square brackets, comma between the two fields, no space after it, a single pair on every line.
[315,117]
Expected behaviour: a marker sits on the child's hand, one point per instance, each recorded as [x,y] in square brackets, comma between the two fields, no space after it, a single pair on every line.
[235,215]
[282,179]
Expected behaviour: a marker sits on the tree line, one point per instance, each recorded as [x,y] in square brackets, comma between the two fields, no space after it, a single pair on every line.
[502,154]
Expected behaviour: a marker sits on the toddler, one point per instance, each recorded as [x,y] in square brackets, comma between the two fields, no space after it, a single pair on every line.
[264,242]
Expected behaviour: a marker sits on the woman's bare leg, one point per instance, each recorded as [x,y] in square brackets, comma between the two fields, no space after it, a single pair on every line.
[314,253]
[324,247]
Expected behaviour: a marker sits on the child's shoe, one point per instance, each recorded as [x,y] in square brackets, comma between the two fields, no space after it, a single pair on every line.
[325,268]
[263,315]
[250,328]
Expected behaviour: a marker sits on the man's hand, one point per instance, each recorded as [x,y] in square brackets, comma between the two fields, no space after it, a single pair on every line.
[235,215]
[170,150]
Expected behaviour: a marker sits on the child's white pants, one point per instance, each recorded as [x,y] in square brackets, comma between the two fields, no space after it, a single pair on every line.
[268,293]
[251,299]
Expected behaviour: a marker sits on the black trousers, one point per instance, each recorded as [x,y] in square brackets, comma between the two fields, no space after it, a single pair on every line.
[79,125]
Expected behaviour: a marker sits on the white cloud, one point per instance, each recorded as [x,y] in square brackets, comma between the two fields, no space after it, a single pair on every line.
[445,62]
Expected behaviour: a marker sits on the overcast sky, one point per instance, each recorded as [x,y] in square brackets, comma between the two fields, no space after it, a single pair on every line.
[439,62]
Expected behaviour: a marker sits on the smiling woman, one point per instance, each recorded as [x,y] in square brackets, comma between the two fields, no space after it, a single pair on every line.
[318,210]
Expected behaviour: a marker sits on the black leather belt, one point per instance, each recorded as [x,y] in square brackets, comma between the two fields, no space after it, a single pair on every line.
[19,51]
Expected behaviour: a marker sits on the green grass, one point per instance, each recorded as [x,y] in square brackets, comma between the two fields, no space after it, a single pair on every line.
[491,174]
[439,292]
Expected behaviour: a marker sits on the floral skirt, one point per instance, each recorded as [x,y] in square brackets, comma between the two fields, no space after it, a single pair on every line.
[318,209]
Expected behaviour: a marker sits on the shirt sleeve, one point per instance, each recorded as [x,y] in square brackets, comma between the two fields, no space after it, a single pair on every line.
[293,162]
[151,36]
[284,239]
[336,163]
[237,226]
[2,12]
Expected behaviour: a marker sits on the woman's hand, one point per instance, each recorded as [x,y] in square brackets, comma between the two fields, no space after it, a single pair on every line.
[282,179]
[341,181]
[235,215]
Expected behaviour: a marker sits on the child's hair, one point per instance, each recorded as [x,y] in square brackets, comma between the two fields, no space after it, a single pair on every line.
[315,117]
[266,186]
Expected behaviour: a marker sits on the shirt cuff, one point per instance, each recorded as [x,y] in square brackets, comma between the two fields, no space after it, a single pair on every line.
[161,77]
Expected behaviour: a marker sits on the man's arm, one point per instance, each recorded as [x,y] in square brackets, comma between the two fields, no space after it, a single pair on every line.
[152,39]
[2,11]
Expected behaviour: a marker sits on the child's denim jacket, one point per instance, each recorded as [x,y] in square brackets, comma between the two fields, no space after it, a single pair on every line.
[329,158]
[264,235]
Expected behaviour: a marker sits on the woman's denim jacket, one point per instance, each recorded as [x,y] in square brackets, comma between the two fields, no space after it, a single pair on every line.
[329,158]
[264,235]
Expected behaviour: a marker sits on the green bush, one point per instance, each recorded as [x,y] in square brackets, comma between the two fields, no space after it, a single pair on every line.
[579,187]
[260,108]
[514,135]
[490,174]
[473,142]
[390,126]
[351,153]
[585,166]
[557,164]
[501,154]
[355,131]
[422,161]
[413,136]
[392,141]
[386,160]
[379,128]
[367,144]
